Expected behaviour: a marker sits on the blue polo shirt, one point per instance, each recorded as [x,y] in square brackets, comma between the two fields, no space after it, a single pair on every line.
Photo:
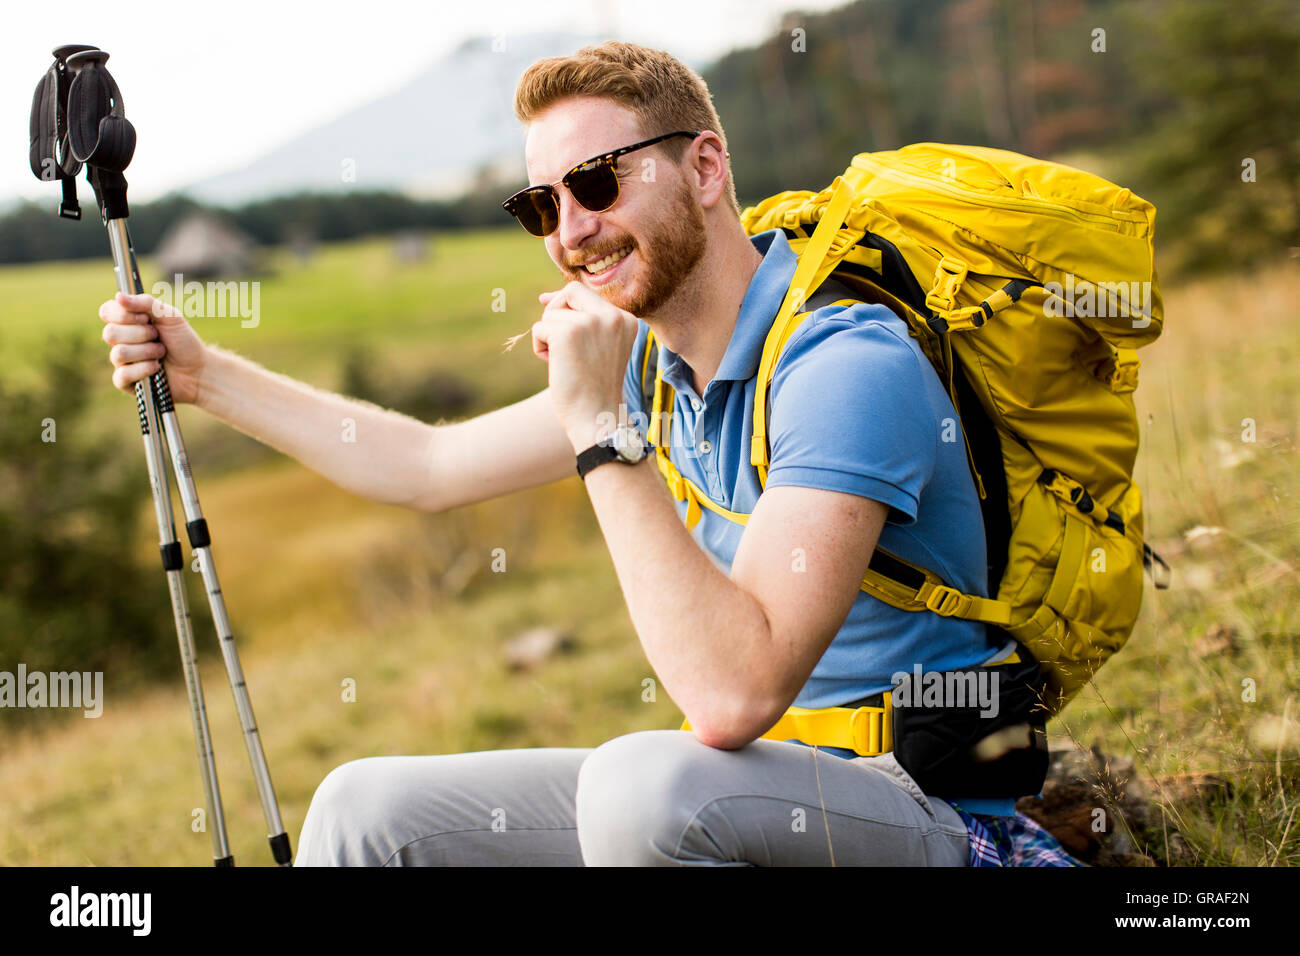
[855,407]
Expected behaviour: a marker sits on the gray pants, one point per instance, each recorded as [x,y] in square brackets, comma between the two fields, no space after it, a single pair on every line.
[655,798]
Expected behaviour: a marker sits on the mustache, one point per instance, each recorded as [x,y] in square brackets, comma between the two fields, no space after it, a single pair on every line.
[596,253]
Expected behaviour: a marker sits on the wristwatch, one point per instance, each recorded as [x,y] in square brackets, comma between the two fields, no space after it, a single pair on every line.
[625,445]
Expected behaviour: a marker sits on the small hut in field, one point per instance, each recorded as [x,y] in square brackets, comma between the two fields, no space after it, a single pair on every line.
[202,246]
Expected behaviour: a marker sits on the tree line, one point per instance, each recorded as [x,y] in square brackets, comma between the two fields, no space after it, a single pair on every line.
[1193,104]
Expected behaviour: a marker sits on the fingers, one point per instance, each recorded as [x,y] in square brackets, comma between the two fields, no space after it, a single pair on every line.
[136,353]
[561,298]
[140,309]
[114,311]
[139,302]
[136,309]
[576,311]
[115,334]
[541,340]
[567,297]
[578,297]
[127,375]
[121,355]
[551,331]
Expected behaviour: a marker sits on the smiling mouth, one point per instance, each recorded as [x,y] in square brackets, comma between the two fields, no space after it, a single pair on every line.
[607,263]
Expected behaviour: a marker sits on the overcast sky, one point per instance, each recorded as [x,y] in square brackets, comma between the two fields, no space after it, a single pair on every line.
[285,67]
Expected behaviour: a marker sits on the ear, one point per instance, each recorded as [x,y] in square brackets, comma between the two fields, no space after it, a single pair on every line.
[709,161]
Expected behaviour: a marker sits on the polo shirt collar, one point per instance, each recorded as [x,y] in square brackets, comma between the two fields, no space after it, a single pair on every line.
[757,312]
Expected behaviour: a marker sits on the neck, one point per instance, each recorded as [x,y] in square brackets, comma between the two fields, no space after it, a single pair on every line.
[698,321]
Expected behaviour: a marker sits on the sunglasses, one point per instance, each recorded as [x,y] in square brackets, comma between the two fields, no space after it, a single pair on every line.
[594,184]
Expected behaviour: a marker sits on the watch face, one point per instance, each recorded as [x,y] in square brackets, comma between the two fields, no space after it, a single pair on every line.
[629,444]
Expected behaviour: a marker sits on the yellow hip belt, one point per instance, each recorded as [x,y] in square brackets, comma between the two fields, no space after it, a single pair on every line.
[867,731]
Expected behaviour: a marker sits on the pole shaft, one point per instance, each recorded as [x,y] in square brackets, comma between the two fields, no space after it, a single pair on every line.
[196,526]
[128,281]
[159,401]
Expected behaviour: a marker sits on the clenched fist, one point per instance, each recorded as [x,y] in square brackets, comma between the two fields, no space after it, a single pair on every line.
[586,343]
[142,332]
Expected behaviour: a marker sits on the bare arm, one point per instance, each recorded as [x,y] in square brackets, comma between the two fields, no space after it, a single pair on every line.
[376,453]
[733,651]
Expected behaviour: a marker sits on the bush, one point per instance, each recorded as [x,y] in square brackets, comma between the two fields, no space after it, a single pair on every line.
[72,595]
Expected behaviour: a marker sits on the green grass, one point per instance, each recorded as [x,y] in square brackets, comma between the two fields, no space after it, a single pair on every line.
[413,320]
[324,587]
[310,309]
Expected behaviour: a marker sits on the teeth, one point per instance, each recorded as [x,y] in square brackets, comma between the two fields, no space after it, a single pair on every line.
[596,268]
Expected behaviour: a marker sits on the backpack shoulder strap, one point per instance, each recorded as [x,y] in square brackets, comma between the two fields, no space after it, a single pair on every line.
[889,578]
[649,371]
[814,267]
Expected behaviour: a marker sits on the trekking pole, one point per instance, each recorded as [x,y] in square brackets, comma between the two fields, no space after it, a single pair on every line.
[78,118]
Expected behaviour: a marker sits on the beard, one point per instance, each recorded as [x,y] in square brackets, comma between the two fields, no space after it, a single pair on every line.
[673,247]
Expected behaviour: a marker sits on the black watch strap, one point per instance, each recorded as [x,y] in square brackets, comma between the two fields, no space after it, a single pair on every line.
[594,456]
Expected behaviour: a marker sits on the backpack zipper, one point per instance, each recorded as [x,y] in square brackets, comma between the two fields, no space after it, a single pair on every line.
[1059,210]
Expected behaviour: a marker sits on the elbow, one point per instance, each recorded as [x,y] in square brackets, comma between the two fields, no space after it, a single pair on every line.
[719,737]
[732,726]
[743,709]
[427,500]
[430,495]
[427,503]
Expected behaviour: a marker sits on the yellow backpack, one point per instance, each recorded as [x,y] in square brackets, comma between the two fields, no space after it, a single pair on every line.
[1029,285]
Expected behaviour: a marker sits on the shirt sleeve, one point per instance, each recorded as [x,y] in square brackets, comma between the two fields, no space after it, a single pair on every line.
[850,410]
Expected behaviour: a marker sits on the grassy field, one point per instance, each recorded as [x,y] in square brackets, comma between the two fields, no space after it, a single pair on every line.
[324,588]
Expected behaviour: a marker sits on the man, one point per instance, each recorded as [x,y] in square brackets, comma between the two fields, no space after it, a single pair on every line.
[739,624]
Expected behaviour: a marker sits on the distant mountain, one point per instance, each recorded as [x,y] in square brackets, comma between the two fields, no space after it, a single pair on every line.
[432,138]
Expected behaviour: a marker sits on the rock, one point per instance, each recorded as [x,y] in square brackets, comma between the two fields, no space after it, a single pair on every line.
[532,647]
[1189,786]
[1105,814]
[1097,807]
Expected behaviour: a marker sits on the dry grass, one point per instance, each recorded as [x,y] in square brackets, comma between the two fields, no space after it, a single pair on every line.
[310,571]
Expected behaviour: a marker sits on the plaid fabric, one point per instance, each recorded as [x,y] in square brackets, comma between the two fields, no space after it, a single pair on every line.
[1012,841]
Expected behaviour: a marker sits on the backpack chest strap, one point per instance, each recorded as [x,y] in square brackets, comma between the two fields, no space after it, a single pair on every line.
[679,486]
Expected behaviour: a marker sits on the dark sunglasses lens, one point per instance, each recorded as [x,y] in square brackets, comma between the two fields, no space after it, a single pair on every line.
[595,185]
[536,211]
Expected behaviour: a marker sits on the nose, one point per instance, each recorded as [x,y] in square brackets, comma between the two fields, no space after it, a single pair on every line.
[577,224]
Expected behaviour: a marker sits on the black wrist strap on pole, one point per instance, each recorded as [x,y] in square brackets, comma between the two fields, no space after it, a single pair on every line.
[99,134]
[79,118]
[49,154]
